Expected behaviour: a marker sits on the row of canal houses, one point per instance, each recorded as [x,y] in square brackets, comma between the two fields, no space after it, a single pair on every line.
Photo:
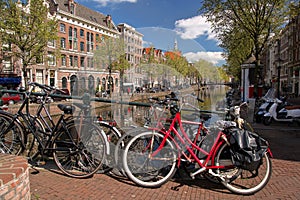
[281,60]
[79,31]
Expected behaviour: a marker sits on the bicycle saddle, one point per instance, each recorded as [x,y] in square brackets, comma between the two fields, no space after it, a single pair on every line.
[67,109]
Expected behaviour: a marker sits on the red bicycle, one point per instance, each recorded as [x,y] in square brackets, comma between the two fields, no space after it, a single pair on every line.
[151,158]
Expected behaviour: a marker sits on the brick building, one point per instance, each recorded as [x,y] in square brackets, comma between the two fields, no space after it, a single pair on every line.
[69,61]
[281,59]
[80,31]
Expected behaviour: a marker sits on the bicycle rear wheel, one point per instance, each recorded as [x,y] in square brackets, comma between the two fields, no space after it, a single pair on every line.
[242,181]
[79,150]
[142,166]
[11,135]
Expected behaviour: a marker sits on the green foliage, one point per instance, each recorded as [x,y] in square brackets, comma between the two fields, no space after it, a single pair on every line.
[109,53]
[244,26]
[179,63]
[209,72]
[28,28]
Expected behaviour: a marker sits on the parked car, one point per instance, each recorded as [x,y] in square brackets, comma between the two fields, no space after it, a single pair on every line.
[8,98]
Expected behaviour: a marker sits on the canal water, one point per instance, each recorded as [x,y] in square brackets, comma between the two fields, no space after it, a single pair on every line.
[134,116]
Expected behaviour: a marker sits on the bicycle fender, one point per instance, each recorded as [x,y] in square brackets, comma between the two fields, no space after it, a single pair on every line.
[106,141]
[114,128]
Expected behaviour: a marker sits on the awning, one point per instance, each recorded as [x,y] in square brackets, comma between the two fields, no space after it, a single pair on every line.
[10,80]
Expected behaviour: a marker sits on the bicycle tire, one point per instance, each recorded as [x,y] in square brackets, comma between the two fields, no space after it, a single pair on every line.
[113,135]
[141,167]
[11,135]
[242,181]
[79,155]
[120,146]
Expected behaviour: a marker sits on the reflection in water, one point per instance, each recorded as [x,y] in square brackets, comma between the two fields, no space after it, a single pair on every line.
[133,116]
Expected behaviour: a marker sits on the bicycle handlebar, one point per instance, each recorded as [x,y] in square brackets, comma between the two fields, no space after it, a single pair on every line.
[47,87]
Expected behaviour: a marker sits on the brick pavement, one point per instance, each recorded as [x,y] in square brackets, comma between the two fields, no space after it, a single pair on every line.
[49,183]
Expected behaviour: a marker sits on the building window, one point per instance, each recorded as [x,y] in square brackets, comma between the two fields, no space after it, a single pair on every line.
[63,60]
[98,38]
[75,61]
[75,44]
[81,61]
[63,43]
[72,10]
[88,42]
[75,33]
[92,41]
[51,43]
[39,59]
[81,46]
[89,64]
[62,28]
[71,61]
[70,32]
[39,76]
[64,82]
[51,59]
[81,33]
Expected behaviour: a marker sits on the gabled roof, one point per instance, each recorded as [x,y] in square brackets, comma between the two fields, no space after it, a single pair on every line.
[85,13]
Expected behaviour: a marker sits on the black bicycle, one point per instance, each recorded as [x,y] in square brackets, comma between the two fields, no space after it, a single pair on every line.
[78,146]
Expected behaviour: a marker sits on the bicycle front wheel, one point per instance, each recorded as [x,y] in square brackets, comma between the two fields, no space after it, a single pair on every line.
[79,150]
[120,146]
[144,165]
[238,180]
[11,135]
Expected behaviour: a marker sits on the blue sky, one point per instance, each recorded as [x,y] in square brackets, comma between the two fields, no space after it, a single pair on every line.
[164,21]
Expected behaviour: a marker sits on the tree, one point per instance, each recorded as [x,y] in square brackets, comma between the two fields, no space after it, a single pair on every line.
[255,19]
[237,46]
[121,65]
[111,53]
[208,71]
[28,27]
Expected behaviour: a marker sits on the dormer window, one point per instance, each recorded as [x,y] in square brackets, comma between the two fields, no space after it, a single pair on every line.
[72,8]
[108,21]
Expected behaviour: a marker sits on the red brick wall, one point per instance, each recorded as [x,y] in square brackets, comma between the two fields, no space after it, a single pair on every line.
[14,178]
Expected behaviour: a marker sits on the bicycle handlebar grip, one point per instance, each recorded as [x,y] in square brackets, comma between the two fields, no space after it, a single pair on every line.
[200,100]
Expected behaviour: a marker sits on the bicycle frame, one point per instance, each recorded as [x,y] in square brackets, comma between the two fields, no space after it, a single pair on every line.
[29,122]
[189,145]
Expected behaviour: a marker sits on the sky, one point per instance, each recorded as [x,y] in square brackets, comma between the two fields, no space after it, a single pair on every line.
[162,22]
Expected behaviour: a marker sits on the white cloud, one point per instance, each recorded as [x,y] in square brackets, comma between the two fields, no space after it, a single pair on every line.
[194,27]
[214,57]
[105,2]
